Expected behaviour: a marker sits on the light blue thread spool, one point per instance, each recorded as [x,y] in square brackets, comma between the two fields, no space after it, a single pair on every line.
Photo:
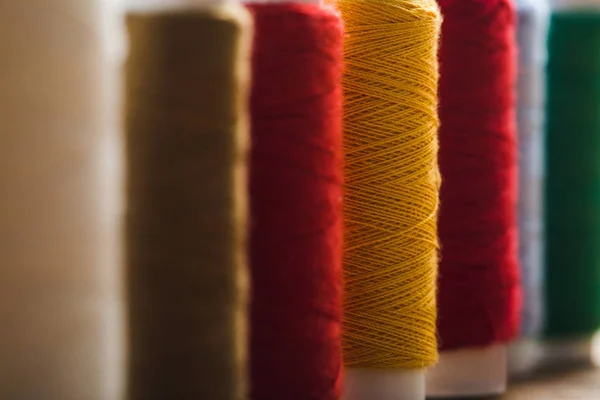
[532,29]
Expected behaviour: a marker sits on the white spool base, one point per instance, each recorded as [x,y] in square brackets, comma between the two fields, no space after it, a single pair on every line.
[570,351]
[524,356]
[384,384]
[469,372]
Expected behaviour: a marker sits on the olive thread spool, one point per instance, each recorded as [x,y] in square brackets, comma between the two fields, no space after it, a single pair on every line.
[186,130]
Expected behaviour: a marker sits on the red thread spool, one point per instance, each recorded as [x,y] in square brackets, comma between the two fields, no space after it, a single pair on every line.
[479,292]
[478,295]
[296,203]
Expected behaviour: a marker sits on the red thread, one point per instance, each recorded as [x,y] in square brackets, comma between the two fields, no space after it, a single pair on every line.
[479,295]
[296,203]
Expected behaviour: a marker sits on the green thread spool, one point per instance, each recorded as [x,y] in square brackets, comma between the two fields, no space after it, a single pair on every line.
[572,206]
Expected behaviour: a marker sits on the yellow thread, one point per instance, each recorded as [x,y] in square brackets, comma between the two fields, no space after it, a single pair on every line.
[392,182]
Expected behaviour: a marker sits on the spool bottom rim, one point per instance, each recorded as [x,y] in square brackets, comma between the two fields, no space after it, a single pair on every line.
[469,372]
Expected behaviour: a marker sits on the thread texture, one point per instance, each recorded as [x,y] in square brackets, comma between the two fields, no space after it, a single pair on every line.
[532,30]
[392,182]
[479,276]
[186,138]
[296,203]
[573,175]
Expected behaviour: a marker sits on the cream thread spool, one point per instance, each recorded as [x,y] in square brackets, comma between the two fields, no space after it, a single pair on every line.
[58,159]
[585,349]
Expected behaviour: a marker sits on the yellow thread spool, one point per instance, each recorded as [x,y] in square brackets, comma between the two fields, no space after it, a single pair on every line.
[392,184]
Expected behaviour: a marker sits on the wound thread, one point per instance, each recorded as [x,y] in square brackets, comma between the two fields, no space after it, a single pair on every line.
[532,30]
[58,219]
[572,212]
[391,183]
[186,139]
[296,203]
[479,292]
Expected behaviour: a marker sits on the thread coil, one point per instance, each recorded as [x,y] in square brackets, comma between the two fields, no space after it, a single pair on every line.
[392,182]
[531,35]
[186,143]
[572,292]
[479,275]
[296,203]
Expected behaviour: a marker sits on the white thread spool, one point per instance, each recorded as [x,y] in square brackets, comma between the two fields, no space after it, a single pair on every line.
[58,210]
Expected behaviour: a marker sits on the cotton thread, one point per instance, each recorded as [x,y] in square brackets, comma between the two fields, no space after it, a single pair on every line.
[479,275]
[296,203]
[572,291]
[532,29]
[391,182]
[186,139]
[59,226]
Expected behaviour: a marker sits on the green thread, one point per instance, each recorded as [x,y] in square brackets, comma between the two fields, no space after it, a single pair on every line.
[573,175]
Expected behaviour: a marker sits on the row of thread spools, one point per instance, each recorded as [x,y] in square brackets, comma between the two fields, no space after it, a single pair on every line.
[289,231]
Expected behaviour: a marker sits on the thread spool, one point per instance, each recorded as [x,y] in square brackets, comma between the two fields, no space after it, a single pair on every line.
[296,202]
[573,317]
[58,211]
[478,285]
[391,196]
[187,77]
[532,29]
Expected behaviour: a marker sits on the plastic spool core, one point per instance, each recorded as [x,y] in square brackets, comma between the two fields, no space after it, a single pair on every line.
[572,351]
[469,372]
[524,356]
[383,384]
